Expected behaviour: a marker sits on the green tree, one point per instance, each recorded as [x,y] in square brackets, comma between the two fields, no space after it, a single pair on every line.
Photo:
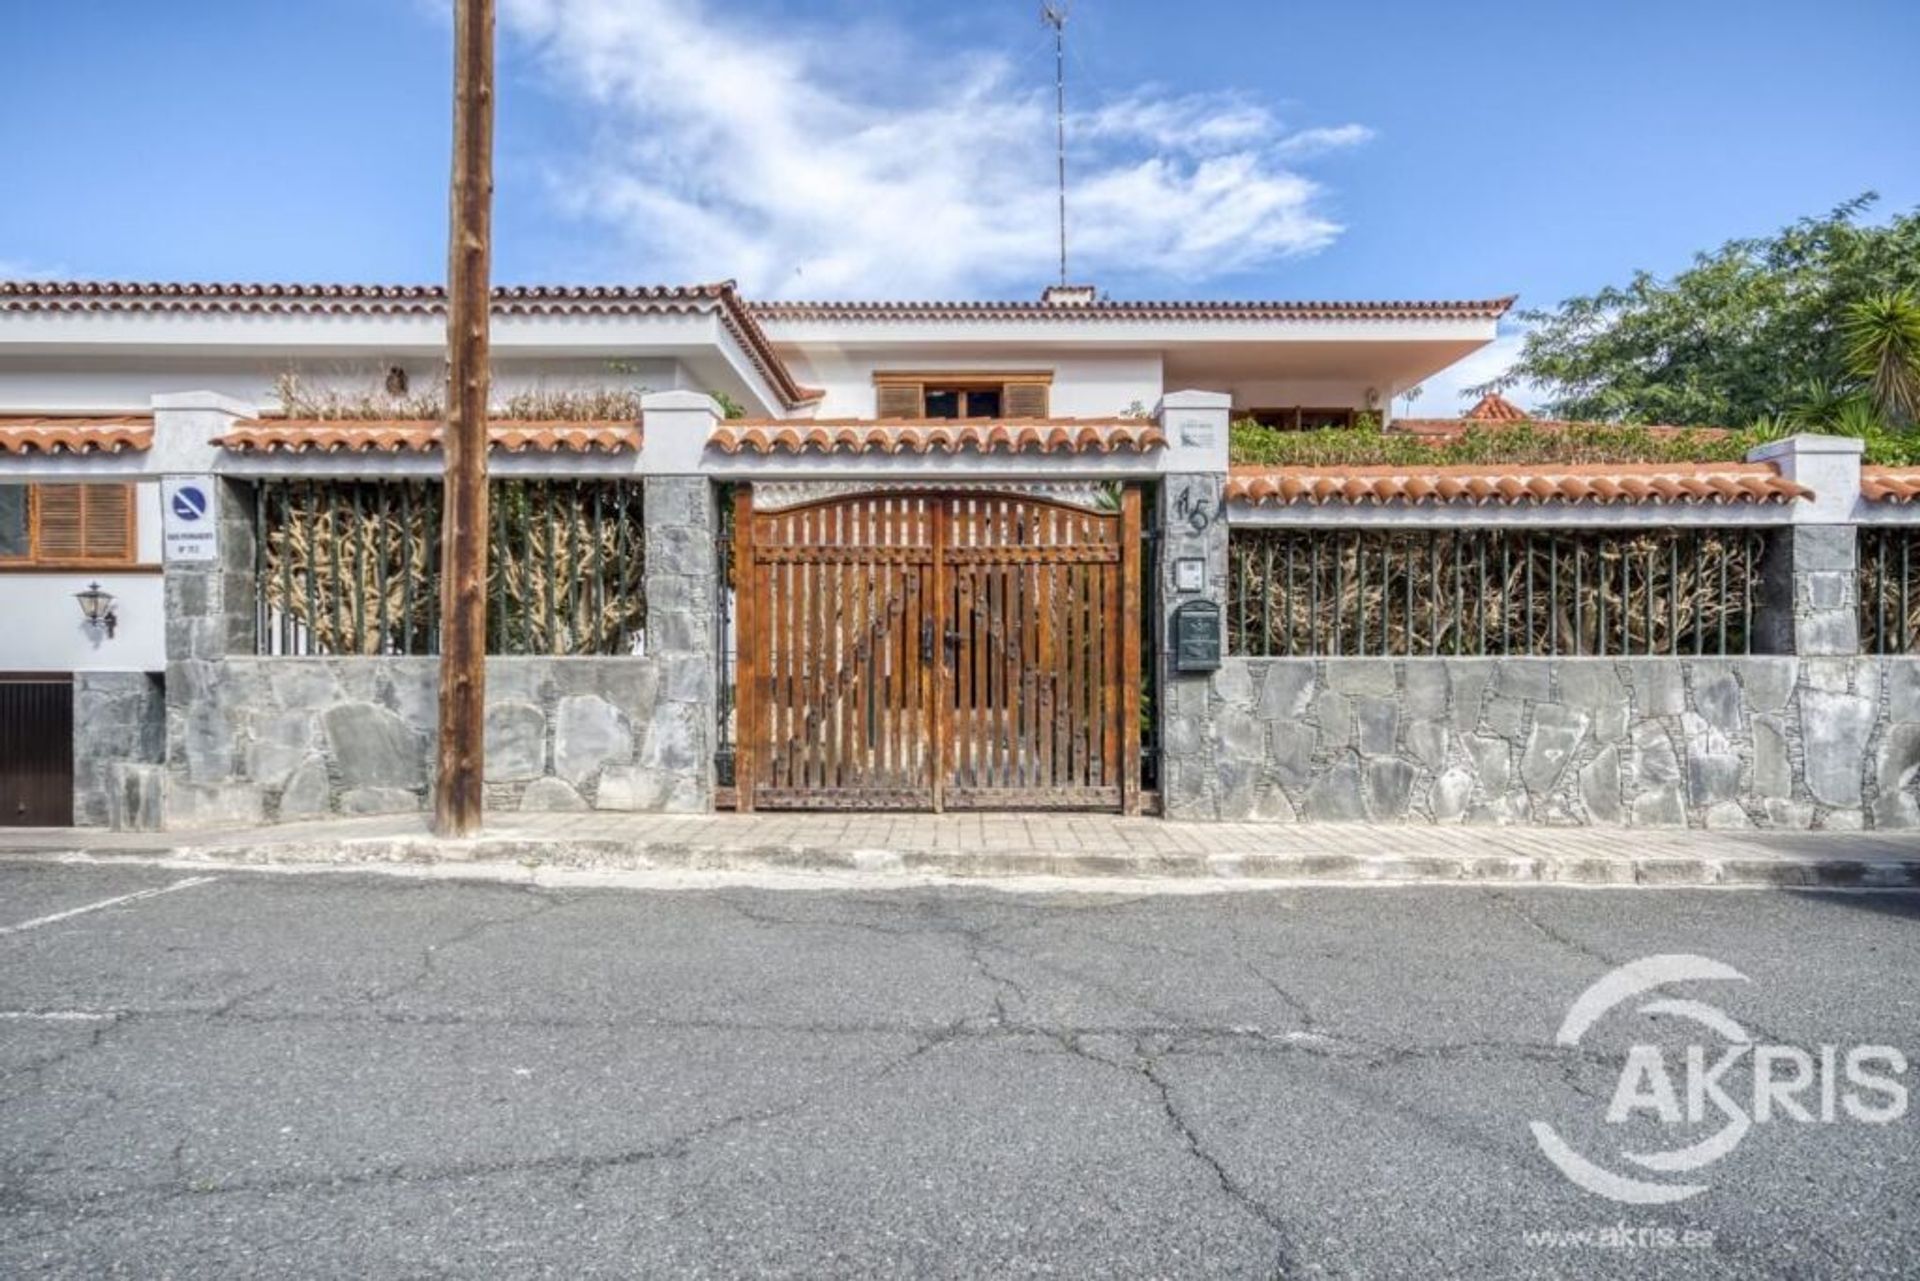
[1738,336]
[1882,335]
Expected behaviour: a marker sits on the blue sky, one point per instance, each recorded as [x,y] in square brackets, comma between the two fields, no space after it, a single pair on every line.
[1225,149]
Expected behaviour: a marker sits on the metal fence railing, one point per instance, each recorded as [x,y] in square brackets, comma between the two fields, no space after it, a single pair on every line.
[1889,576]
[348,567]
[1500,591]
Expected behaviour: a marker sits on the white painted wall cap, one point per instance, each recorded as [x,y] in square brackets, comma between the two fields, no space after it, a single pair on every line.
[1194,399]
[680,399]
[1804,444]
[205,400]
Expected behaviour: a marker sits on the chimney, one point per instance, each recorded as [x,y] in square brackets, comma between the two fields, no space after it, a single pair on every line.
[1069,295]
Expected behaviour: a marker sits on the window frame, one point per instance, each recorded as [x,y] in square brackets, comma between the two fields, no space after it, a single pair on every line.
[126,556]
[962,381]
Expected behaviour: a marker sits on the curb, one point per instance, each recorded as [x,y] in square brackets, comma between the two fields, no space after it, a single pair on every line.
[881,865]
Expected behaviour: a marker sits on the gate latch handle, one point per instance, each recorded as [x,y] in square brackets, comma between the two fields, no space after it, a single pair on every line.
[926,641]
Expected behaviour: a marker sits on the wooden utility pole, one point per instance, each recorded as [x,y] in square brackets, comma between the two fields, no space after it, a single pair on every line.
[460,765]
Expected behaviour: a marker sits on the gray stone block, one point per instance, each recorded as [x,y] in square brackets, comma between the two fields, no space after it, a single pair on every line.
[1335,797]
[1448,797]
[1286,689]
[1716,697]
[1727,817]
[280,742]
[1379,723]
[1360,676]
[1600,786]
[308,793]
[516,744]
[550,794]
[1528,679]
[1901,676]
[1333,721]
[1591,685]
[1467,680]
[1506,717]
[379,800]
[1290,751]
[1657,688]
[589,732]
[1772,763]
[1233,683]
[1426,689]
[630,787]
[1834,729]
[136,797]
[1389,788]
[372,747]
[1427,743]
[1556,737]
[1659,807]
[1769,682]
[1492,763]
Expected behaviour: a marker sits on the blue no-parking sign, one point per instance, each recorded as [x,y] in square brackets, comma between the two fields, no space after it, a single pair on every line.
[187,523]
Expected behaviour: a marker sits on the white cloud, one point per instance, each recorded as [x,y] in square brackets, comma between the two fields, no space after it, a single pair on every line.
[1445,394]
[21,269]
[811,162]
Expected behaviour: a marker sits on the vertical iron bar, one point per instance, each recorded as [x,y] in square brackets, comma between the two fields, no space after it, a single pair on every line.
[1266,601]
[406,567]
[1314,539]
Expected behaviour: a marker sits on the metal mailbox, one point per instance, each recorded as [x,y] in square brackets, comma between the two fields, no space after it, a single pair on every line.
[1196,637]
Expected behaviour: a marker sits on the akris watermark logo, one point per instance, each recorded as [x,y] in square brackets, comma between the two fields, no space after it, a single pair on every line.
[1698,1084]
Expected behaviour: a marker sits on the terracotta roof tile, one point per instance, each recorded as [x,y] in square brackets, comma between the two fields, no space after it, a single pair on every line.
[1495,408]
[1443,429]
[1108,309]
[938,435]
[1516,484]
[1890,484]
[107,296]
[72,435]
[329,436]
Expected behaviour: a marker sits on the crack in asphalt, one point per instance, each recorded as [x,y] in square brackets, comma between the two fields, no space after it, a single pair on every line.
[1286,1257]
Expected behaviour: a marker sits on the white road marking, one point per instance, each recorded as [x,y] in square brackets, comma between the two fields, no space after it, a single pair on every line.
[38,921]
[58,1016]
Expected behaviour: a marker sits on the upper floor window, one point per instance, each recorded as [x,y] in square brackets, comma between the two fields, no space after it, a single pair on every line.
[59,526]
[962,395]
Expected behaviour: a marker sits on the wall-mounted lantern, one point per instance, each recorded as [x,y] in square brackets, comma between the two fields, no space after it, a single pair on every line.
[97,605]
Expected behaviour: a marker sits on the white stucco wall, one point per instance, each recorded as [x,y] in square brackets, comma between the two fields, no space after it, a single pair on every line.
[1085,384]
[40,624]
[95,386]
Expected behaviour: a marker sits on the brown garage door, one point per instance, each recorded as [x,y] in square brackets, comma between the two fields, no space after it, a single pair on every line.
[36,750]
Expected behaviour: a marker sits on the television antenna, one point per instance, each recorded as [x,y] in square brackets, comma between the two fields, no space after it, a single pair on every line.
[1053,13]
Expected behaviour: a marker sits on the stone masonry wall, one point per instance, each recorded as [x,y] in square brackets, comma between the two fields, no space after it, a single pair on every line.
[117,717]
[1784,742]
[283,739]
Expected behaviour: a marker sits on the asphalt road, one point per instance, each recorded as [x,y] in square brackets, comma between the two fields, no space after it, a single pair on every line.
[351,1075]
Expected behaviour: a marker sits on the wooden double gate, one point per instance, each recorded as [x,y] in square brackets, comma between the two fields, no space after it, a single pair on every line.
[938,651]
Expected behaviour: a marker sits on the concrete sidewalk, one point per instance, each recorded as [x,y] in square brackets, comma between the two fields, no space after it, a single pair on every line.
[1058,845]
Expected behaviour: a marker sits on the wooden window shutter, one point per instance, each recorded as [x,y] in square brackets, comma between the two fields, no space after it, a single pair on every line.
[898,400]
[106,527]
[83,522]
[1025,400]
[59,522]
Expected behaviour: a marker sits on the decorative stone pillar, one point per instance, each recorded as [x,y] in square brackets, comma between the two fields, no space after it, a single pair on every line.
[210,615]
[675,770]
[1192,526]
[1809,585]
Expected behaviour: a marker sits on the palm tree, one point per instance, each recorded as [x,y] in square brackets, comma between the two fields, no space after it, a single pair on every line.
[1882,335]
